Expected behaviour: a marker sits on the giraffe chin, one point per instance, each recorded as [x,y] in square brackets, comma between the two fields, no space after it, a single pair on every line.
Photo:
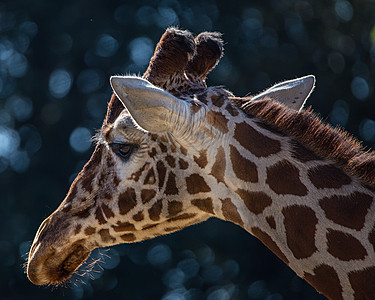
[52,267]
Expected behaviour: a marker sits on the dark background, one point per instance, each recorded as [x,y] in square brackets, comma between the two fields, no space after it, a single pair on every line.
[55,61]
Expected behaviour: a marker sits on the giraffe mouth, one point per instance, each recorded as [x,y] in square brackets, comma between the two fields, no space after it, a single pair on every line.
[53,267]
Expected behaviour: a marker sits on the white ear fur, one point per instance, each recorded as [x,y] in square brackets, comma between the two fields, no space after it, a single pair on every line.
[153,109]
[292,93]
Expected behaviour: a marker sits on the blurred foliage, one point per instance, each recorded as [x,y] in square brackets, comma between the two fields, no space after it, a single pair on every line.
[55,61]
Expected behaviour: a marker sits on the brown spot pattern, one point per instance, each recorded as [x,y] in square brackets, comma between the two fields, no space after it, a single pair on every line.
[105,236]
[269,243]
[196,184]
[271,221]
[217,120]
[283,178]
[128,237]
[183,150]
[135,176]
[83,214]
[205,205]
[243,168]
[171,188]
[201,160]
[150,177]
[107,195]
[107,211]
[138,216]
[344,246]
[115,181]
[363,283]
[326,281]
[218,168]
[155,210]
[328,177]
[257,143]
[123,226]
[182,217]
[217,100]
[149,226]
[230,211]
[77,229]
[203,97]
[171,160]
[174,207]
[300,226]
[163,147]
[110,161]
[67,208]
[87,181]
[349,211]
[152,152]
[99,216]
[183,164]
[90,230]
[233,111]
[302,153]
[161,173]
[102,178]
[195,107]
[256,202]
[127,201]
[147,195]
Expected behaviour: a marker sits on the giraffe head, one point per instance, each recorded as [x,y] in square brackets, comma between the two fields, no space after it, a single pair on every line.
[159,163]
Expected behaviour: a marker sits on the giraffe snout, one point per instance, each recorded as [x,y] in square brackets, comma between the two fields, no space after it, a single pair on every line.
[53,256]
[48,264]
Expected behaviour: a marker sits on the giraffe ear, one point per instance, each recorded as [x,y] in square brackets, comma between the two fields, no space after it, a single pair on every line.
[153,109]
[292,93]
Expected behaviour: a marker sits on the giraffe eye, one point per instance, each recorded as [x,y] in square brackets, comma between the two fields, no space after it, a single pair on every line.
[122,150]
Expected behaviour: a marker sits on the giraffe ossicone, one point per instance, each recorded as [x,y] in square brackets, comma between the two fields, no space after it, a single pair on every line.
[173,152]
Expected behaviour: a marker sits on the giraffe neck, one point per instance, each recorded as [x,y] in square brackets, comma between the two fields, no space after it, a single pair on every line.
[301,206]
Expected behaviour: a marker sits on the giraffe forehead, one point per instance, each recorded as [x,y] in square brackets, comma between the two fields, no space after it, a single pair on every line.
[124,129]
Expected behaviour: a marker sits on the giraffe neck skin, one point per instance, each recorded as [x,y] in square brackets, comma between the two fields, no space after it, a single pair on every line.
[299,205]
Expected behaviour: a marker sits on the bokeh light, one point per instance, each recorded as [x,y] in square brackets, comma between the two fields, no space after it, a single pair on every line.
[141,50]
[360,88]
[80,139]
[60,82]
[89,81]
[367,130]
[106,46]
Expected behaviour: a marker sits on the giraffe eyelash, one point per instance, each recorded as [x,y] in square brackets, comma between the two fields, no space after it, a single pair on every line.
[123,150]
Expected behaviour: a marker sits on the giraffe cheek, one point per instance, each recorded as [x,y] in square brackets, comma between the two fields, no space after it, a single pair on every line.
[127,201]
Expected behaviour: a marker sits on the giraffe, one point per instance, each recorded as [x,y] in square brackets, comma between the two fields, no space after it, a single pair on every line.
[173,152]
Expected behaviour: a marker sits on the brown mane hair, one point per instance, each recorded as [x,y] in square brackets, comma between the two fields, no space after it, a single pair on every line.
[308,129]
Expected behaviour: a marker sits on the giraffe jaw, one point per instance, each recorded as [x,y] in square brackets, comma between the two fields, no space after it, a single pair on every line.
[48,266]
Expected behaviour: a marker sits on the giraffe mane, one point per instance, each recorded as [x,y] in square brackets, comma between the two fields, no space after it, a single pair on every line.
[308,129]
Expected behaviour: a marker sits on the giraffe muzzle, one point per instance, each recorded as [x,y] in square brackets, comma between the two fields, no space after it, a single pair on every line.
[48,266]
